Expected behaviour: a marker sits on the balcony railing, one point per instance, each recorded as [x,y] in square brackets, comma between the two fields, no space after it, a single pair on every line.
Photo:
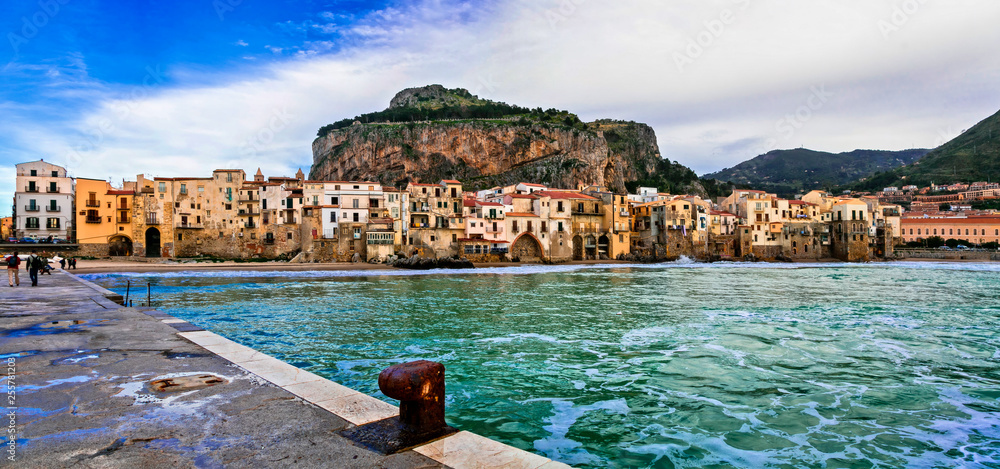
[250,225]
[382,242]
[269,241]
[53,208]
[245,199]
[152,221]
[124,219]
[31,189]
[123,207]
[93,203]
[249,213]
[190,226]
[93,220]
[52,190]
[32,208]
[32,226]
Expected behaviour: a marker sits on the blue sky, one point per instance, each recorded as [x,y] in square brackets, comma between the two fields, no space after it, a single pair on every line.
[114,89]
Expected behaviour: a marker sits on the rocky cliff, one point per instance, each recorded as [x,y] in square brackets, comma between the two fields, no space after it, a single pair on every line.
[550,147]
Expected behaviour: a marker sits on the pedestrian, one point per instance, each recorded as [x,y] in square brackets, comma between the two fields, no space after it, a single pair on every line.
[72,263]
[13,263]
[62,263]
[34,263]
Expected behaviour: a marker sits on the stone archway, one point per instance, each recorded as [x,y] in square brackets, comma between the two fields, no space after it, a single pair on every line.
[153,242]
[526,247]
[120,246]
[577,248]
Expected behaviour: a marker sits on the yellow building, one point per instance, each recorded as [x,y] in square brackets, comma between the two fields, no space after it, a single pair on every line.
[103,218]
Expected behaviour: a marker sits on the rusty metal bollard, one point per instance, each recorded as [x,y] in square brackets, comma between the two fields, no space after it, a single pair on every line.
[419,387]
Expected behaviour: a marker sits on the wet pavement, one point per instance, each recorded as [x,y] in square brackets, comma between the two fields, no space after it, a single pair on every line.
[97,385]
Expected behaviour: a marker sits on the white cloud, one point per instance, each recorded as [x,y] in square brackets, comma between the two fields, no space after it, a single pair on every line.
[242,43]
[936,72]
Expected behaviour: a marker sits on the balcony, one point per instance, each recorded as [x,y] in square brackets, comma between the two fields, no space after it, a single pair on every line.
[250,225]
[249,213]
[54,226]
[53,208]
[152,220]
[248,199]
[269,241]
[123,207]
[124,220]
[381,242]
[31,226]
[190,226]
[32,208]
[52,190]
[93,203]
[32,189]
[93,220]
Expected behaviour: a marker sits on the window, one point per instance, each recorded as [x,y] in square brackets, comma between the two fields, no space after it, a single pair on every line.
[34,172]
[355,204]
[355,218]
[163,187]
[184,189]
[544,227]
[289,235]
[201,188]
[437,192]
[180,237]
[333,217]
[559,207]
[454,238]
[560,227]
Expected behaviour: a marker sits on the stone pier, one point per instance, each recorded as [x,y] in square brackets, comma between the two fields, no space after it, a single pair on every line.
[98,385]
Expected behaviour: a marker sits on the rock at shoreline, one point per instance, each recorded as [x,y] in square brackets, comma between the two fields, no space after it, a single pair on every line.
[423,263]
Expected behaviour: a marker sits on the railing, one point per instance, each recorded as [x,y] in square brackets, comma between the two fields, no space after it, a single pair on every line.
[420,225]
[31,189]
[499,229]
[32,226]
[249,199]
[94,203]
[123,207]
[193,226]
[52,190]
[124,220]
[152,221]
[93,220]
[32,208]
[247,213]
[269,241]
[498,251]
[51,208]
[250,225]
[383,242]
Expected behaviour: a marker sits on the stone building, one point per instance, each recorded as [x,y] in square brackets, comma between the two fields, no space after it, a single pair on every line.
[103,219]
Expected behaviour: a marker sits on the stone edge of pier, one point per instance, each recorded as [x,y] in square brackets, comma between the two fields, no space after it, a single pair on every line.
[459,450]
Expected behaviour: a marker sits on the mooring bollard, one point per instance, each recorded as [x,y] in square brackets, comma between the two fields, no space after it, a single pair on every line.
[419,387]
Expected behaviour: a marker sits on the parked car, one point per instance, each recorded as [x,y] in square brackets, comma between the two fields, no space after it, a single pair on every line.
[12,240]
[28,240]
[962,247]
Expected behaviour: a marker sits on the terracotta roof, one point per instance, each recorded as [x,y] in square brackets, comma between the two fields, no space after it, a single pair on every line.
[114,192]
[522,196]
[530,184]
[721,212]
[488,204]
[451,181]
[798,202]
[850,202]
[516,214]
[477,240]
[948,221]
[468,203]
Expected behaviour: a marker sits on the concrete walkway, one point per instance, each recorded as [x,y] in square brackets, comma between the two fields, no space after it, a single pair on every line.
[98,385]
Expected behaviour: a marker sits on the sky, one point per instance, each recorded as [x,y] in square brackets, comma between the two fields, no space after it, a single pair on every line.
[115,89]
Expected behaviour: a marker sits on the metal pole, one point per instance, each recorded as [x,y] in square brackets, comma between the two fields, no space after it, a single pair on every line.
[128,289]
[148,301]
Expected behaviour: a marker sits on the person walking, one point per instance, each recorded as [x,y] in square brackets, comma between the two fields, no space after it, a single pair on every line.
[13,264]
[34,263]
[62,263]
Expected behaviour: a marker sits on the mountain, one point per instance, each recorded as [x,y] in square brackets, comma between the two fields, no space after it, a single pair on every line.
[432,133]
[787,172]
[972,156]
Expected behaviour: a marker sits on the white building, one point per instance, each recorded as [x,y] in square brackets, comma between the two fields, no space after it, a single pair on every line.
[43,201]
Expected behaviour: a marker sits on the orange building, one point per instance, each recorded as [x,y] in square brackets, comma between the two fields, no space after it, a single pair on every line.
[975,229]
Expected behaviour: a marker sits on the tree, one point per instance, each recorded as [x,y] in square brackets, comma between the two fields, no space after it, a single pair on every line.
[935,242]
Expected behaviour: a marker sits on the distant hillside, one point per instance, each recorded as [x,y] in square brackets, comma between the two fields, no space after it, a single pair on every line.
[790,171]
[432,133]
[970,157]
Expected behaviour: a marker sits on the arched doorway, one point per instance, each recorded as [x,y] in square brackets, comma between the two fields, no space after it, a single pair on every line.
[602,246]
[526,247]
[152,242]
[120,246]
[577,248]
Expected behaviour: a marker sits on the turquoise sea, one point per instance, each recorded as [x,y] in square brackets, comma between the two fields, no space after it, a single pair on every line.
[674,365]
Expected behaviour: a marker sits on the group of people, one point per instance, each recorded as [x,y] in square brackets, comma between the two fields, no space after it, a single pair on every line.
[35,265]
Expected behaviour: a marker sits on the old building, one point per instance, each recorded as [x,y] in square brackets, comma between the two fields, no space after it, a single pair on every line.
[43,202]
[103,218]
